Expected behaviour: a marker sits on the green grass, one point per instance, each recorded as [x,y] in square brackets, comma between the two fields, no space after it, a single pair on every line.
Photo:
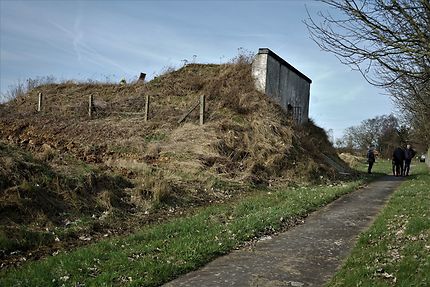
[380,167]
[123,149]
[23,239]
[395,251]
[156,137]
[159,253]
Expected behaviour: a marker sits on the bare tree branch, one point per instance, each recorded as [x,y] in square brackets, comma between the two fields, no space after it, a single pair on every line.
[388,42]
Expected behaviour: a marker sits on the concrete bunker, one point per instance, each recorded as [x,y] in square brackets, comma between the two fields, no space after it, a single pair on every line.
[285,84]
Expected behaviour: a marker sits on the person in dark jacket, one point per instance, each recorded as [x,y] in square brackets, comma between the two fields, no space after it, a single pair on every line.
[370,158]
[398,158]
[409,155]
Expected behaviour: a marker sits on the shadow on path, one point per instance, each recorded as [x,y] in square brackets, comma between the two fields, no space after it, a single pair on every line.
[306,255]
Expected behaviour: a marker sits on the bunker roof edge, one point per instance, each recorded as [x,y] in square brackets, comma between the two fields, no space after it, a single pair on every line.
[272,54]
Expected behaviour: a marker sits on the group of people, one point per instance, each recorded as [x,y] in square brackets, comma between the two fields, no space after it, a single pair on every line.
[401,161]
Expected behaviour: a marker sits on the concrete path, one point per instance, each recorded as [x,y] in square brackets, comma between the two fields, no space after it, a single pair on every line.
[306,255]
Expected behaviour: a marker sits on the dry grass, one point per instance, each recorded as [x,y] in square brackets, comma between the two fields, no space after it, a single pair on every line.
[351,160]
[247,138]
[120,165]
[31,187]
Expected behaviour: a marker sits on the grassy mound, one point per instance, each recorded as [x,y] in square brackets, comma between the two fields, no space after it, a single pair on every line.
[72,166]
[36,196]
[247,137]
[29,185]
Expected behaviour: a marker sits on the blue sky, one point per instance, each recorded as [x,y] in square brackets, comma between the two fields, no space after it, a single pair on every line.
[101,40]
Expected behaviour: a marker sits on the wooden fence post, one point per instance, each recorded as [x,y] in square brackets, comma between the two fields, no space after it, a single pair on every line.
[90,105]
[202,109]
[40,102]
[146,108]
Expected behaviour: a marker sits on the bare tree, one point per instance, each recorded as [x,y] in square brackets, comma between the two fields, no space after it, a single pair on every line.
[384,132]
[413,99]
[388,41]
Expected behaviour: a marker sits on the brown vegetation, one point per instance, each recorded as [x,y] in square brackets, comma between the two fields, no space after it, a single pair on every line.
[247,140]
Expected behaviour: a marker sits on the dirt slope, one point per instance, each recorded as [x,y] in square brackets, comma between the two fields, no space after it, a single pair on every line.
[247,138]
[60,166]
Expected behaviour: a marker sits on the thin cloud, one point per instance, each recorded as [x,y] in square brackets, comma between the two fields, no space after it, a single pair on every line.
[77,36]
[83,51]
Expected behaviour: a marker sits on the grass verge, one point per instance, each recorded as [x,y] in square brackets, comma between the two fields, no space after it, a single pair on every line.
[45,197]
[380,167]
[395,251]
[159,253]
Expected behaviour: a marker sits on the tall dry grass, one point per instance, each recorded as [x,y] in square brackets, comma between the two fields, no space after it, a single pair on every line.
[247,138]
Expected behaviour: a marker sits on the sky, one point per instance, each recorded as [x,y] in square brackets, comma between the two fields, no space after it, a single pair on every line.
[111,40]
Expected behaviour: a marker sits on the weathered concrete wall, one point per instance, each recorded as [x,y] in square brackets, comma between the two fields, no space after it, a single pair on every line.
[259,71]
[278,79]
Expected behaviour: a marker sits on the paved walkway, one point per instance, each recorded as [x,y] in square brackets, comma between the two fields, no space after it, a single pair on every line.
[306,255]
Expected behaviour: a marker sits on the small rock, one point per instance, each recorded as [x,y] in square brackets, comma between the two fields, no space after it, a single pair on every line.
[265,238]
[85,238]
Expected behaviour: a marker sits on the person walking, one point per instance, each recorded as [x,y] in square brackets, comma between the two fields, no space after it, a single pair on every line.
[370,158]
[409,155]
[398,158]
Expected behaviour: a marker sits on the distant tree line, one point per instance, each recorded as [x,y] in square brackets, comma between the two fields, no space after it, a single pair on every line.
[384,132]
[388,41]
